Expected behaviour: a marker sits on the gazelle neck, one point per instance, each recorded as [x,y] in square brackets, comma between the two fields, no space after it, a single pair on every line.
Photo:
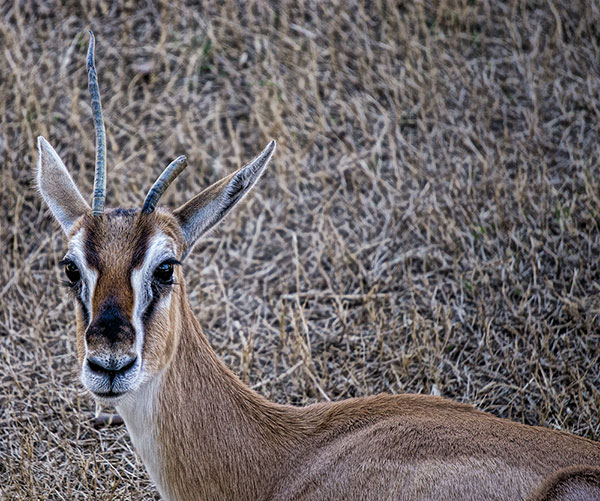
[201,432]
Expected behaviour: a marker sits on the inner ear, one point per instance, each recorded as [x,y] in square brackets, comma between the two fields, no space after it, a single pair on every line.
[57,187]
[207,209]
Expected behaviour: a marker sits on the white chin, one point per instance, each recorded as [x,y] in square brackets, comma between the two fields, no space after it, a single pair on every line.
[107,391]
[108,399]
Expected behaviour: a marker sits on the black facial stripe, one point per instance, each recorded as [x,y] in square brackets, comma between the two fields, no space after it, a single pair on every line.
[84,310]
[140,251]
[89,247]
[158,291]
[149,311]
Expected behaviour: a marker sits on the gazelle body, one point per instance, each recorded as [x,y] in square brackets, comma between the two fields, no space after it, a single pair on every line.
[203,434]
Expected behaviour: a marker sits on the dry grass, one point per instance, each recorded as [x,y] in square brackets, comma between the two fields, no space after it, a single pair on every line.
[429,223]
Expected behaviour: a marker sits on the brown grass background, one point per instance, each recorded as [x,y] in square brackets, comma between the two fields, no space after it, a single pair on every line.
[429,222]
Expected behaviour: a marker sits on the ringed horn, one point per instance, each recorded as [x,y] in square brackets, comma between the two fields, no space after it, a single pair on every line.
[99,194]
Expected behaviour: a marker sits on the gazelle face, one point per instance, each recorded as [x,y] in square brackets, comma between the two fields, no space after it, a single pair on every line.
[122,264]
[122,269]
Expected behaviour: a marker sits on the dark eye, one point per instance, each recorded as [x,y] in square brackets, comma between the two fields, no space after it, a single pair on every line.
[164,272]
[72,272]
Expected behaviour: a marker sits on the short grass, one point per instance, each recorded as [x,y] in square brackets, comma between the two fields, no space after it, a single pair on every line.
[429,223]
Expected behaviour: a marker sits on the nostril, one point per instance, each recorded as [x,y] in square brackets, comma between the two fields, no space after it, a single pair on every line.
[128,365]
[111,366]
[95,367]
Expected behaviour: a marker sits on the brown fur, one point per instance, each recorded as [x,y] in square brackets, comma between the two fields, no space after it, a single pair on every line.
[115,245]
[220,440]
[576,483]
[205,435]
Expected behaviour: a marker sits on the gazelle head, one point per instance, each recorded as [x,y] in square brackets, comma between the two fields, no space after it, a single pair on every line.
[122,264]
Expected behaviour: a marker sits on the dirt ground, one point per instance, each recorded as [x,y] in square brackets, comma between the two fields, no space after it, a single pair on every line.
[429,223]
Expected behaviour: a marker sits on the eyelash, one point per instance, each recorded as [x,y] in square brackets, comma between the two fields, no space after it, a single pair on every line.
[161,287]
[74,287]
[69,285]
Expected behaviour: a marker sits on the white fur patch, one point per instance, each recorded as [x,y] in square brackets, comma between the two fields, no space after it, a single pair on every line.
[137,410]
[89,277]
[160,248]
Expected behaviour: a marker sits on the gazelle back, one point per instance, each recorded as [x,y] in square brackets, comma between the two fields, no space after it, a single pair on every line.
[203,434]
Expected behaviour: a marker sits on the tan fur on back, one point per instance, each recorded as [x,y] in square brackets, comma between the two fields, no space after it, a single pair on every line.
[204,435]
[220,440]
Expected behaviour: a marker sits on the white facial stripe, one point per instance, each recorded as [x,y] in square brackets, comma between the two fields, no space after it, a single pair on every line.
[89,277]
[160,248]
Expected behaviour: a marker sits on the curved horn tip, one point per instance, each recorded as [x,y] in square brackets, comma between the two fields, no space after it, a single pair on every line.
[162,183]
[90,53]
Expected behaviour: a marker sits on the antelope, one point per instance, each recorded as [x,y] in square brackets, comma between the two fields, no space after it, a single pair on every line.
[203,434]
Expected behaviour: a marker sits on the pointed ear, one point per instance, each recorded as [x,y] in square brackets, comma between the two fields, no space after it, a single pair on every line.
[205,210]
[57,187]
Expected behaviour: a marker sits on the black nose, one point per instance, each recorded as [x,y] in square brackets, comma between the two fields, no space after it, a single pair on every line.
[110,326]
[111,366]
